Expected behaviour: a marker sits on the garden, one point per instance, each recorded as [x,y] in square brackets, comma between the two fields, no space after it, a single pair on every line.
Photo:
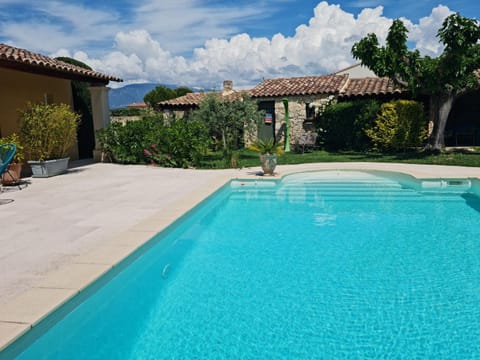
[217,136]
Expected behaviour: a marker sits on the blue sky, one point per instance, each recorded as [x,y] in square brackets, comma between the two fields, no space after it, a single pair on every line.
[201,43]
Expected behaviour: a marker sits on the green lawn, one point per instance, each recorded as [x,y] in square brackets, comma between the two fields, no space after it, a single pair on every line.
[247,158]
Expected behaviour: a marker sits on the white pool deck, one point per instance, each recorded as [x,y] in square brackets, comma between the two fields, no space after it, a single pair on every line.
[60,234]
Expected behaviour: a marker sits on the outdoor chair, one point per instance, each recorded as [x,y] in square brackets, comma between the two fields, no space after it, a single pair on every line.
[307,142]
[7,152]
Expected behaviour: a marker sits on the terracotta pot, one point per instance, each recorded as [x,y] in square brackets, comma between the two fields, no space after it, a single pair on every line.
[12,176]
[268,163]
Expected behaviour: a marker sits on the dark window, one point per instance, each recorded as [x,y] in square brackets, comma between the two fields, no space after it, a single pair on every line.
[310,111]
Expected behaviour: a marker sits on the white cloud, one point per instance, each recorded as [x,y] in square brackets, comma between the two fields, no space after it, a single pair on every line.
[147,44]
[45,28]
[424,33]
[181,29]
[321,46]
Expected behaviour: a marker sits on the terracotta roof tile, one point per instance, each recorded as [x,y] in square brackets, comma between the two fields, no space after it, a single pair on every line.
[307,85]
[137,105]
[194,99]
[13,55]
[370,86]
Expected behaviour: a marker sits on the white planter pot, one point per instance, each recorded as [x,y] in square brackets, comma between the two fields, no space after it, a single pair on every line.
[41,169]
[268,162]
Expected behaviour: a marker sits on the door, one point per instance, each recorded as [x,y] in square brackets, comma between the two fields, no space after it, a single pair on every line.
[266,130]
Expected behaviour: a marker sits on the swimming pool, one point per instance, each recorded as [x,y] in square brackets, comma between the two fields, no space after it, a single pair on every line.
[333,264]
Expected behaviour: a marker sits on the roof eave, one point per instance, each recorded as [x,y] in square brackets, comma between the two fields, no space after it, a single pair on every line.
[49,71]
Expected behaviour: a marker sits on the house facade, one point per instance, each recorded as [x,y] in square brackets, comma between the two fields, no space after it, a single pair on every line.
[306,96]
[28,77]
[302,94]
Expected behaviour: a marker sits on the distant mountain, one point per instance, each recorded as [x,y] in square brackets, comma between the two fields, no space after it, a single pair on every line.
[132,93]
[129,94]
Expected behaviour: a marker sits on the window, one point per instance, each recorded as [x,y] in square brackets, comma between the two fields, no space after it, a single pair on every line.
[309,111]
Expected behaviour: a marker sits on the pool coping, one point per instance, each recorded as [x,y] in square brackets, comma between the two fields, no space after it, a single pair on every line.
[58,287]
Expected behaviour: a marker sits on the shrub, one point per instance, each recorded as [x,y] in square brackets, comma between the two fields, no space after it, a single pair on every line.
[342,125]
[400,125]
[267,146]
[124,143]
[128,112]
[48,131]
[178,144]
[14,139]
[181,144]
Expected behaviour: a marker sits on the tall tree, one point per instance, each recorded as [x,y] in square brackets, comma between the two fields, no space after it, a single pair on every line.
[444,78]
[162,93]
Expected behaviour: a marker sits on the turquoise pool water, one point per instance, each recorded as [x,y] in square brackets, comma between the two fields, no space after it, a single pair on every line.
[321,265]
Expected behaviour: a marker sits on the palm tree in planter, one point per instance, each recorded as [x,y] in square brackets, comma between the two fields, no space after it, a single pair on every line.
[13,175]
[268,151]
[47,132]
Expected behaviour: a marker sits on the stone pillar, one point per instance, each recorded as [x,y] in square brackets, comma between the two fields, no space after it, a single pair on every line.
[100,114]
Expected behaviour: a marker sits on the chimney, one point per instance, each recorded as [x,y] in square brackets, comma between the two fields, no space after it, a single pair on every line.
[227,85]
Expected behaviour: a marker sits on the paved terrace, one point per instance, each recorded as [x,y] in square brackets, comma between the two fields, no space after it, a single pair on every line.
[61,233]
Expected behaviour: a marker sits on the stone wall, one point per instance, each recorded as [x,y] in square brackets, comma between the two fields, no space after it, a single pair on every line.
[124,119]
[297,109]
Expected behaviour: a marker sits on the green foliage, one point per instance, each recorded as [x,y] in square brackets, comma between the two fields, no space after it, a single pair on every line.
[267,146]
[48,131]
[82,104]
[400,125]
[452,71]
[443,78]
[80,91]
[125,143]
[248,158]
[342,125]
[162,93]
[72,61]
[228,121]
[181,144]
[14,139]
[178,144]
[126,111]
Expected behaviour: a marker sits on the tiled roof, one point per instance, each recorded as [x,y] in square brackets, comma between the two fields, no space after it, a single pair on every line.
[194,99]
[307,85]
[370,86]
[30,61]
[137,105]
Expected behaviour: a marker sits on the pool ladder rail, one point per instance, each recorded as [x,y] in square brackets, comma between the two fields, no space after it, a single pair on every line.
[451,185]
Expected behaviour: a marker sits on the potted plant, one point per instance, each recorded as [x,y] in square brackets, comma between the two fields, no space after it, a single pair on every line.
[14,173]
[47,132]
[268,151]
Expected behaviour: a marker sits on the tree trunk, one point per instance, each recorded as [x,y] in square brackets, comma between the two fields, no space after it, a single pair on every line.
[440,107]
[224,142]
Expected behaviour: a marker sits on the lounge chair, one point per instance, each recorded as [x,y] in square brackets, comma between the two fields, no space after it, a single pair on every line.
[7,152]
[307,141]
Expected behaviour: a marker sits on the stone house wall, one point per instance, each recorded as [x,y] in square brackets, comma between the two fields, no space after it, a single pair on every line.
[124,119]
[297,109]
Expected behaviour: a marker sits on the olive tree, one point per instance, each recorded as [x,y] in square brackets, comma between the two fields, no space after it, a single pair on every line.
[229,119]
[444,78]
